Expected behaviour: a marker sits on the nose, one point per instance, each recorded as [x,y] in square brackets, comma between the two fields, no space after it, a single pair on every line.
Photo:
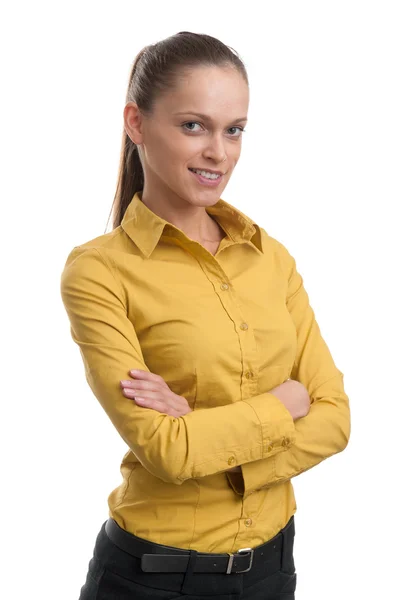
[215,149]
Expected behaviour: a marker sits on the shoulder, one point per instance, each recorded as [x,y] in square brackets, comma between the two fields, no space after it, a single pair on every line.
[87,266]
[106,241]
[96,251]
[277,248]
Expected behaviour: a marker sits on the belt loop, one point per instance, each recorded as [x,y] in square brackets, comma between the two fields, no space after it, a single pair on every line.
[191,563]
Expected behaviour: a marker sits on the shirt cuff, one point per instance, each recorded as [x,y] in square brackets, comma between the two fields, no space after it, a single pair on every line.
[278,426]
[278,435]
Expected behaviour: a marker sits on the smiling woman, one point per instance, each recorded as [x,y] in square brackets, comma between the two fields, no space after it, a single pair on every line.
[199,342]
[186,164]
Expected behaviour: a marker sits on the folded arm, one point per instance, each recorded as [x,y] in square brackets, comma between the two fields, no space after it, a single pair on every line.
[200,443]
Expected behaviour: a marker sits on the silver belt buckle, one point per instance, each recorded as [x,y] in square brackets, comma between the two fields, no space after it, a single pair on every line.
[241,551]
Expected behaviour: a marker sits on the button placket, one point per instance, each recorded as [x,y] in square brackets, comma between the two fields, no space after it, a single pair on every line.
[248,344]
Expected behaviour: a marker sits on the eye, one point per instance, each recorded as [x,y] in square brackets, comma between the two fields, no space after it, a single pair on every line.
[191,123]
[240,129]
[188,127]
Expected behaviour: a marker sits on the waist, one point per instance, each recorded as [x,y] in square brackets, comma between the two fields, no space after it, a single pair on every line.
[189,515]
[159,558]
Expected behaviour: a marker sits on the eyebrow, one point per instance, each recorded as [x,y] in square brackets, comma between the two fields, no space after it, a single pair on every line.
[206,117]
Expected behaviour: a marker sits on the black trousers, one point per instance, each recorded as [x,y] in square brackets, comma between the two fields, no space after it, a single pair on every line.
[114,574]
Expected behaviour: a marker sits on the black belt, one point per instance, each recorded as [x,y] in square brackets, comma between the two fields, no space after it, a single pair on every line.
[169,559]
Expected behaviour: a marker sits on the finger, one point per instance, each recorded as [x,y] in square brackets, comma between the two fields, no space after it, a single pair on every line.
[150,396]
[141,384]
[165,410]
[130,392]
[154,403]
[147,375]
[141,390]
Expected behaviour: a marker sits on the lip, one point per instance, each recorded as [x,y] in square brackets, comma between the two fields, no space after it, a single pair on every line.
[208,170]
[207,182]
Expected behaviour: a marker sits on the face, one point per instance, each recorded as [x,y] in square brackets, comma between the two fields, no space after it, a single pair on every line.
[175,138]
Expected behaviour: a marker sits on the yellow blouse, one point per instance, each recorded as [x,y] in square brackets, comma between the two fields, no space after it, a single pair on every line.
[221,331]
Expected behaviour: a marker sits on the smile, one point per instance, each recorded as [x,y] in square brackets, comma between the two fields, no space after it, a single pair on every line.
[206,178]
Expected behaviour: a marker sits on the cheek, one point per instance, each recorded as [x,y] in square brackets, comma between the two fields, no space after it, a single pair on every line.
[161,144]
[178,151]
[235,152]
[162,158]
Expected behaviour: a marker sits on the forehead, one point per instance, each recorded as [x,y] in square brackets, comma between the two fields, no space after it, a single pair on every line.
[210,90]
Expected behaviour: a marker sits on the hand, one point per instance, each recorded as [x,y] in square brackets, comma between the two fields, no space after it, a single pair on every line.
[150,391]
[294,396]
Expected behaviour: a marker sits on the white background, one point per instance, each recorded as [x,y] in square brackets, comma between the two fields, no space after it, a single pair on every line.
[326,167]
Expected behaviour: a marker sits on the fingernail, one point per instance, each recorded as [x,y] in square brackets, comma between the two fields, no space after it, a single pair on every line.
[135,371]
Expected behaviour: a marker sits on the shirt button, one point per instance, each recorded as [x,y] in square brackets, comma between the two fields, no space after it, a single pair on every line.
[244,326]
[231,460]
[224,286]
[249,374]
[270,447]
[286,442]
[248,522]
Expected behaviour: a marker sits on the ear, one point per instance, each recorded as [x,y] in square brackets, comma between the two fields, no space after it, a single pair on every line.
[133,122]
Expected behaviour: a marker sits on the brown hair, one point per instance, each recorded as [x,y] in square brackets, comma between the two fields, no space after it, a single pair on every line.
[154,71]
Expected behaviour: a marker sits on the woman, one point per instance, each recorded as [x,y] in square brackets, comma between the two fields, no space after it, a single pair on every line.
[199,342]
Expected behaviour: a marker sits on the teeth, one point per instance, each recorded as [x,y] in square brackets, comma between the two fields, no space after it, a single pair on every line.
[206,174]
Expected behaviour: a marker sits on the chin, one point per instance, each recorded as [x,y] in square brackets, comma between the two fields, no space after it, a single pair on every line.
[205,199]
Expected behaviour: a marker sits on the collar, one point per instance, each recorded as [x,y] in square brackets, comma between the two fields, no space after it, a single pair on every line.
[145,228]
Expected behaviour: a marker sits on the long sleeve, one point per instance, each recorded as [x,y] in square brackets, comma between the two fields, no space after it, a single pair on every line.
[325,430]
[201,443]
